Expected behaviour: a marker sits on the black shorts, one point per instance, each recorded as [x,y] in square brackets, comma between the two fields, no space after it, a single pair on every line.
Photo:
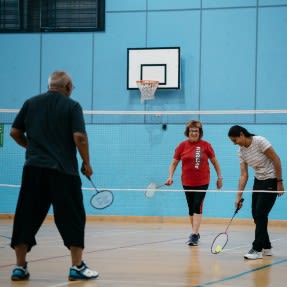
[42,188]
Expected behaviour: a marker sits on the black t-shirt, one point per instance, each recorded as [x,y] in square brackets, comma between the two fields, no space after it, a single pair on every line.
[49,121]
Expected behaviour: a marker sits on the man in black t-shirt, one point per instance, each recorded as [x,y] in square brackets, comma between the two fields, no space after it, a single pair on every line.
[51,128]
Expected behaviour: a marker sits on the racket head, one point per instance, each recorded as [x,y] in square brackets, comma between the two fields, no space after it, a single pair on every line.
[150,190]
[102,199]
[219,243]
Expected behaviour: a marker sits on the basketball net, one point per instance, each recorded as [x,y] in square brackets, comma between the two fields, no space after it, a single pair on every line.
[147,89]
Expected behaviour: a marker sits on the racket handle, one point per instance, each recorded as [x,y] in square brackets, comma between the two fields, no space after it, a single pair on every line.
[241,201]
[92,183]
[83,172]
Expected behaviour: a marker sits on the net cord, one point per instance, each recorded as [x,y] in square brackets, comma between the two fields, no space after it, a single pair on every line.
[158,190]
[207,112]
[217,112]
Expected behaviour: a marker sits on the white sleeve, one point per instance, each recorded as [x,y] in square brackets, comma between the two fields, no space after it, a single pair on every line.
[263,143]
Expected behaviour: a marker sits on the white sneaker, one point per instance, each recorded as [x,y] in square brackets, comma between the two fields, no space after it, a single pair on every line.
[82,273]
[253,255]
[267,252]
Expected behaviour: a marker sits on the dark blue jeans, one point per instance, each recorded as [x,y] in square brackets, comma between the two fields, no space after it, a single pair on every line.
[262,203]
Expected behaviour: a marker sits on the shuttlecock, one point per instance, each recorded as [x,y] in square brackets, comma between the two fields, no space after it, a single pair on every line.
[218,249]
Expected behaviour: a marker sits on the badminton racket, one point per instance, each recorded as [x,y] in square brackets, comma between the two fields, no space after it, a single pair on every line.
[102,198]
[221,239]
[151,189]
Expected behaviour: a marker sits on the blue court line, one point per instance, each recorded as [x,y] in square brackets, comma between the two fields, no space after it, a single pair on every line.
[241,274]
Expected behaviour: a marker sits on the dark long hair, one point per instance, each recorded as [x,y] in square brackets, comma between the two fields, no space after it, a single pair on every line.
[236,130]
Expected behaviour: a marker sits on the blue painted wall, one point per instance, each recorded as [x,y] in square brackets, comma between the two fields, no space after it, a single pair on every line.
[233,56]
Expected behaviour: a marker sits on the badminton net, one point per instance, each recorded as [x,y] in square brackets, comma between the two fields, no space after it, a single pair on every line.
[130,149]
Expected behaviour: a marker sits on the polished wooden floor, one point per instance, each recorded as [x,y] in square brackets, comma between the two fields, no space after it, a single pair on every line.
[150,254]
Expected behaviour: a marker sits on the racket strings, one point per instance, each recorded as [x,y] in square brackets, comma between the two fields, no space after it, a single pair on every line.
[151,189]
[102,199]
[219,243]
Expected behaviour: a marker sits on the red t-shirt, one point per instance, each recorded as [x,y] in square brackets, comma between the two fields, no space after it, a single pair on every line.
[194,157]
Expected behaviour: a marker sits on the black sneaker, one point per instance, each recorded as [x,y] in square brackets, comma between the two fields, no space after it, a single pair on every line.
[20,273]
[193,239]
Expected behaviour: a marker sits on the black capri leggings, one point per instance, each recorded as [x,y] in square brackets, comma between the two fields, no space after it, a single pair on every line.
[195,199]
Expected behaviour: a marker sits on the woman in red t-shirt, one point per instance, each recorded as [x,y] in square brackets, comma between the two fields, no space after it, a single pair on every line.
[194,154]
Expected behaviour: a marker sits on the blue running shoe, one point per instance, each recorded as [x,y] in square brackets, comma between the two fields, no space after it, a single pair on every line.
[82,273]
[193,239]
[20,273]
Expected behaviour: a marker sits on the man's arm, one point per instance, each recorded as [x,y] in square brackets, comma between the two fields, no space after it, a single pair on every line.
[19,137]
[82,144]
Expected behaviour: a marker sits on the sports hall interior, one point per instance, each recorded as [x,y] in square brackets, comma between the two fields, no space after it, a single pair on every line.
[231,70]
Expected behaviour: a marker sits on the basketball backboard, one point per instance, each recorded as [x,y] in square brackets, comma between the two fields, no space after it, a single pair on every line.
[160,64]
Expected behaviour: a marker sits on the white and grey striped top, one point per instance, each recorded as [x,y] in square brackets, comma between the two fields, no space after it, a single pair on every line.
[254,156]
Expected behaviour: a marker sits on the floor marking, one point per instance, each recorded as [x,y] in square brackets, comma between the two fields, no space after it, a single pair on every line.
[241,274]
[100,250]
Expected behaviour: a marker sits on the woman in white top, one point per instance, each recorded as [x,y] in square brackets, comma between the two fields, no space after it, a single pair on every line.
[257,152]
